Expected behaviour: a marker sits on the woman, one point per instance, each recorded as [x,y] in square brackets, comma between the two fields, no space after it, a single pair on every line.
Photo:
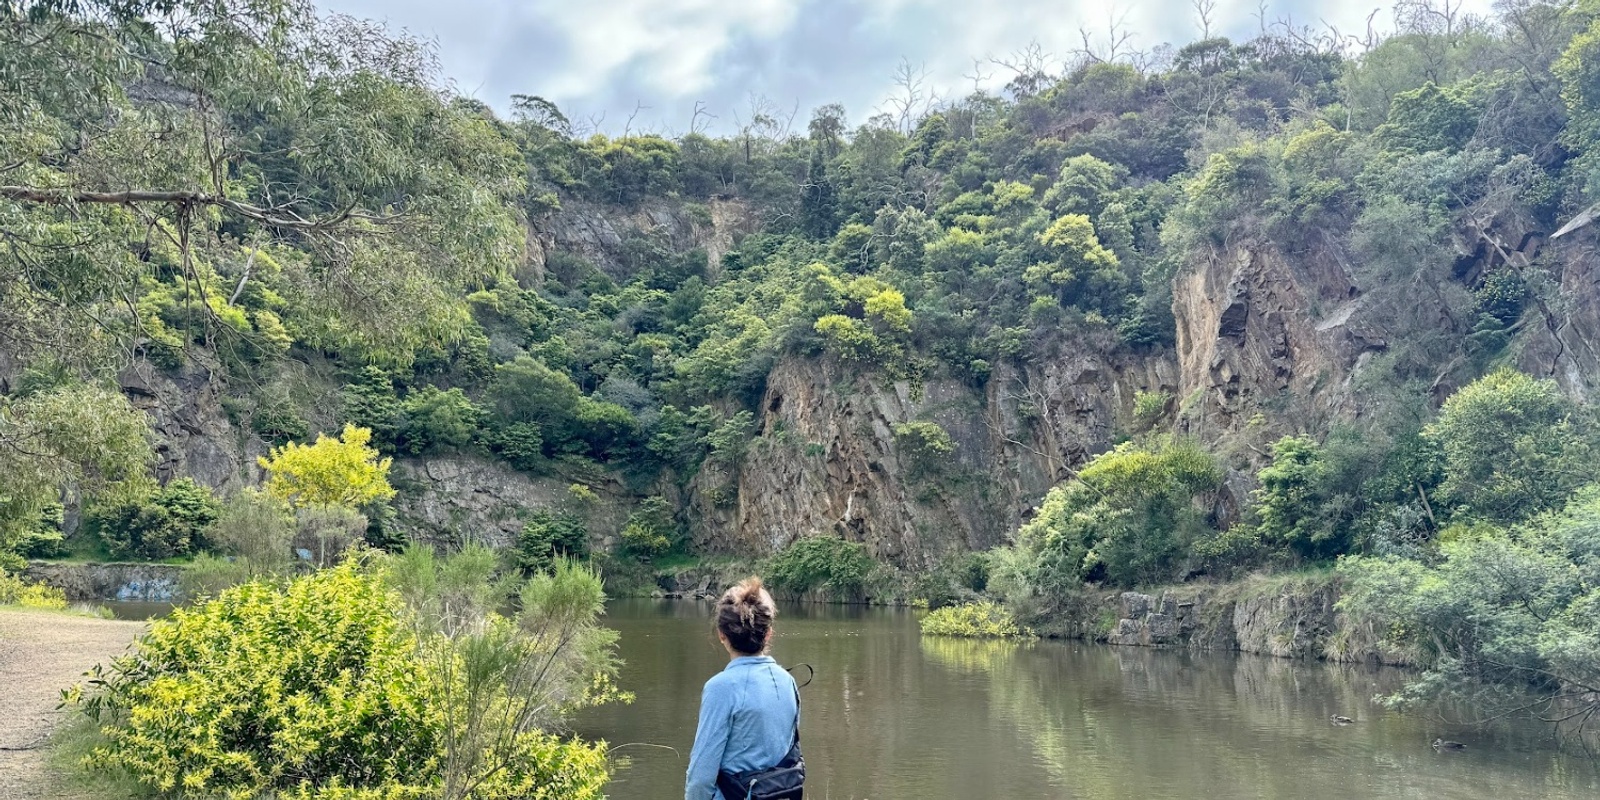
[750,711]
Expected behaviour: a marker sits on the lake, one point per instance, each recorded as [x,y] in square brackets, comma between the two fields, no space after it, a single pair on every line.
[894,715]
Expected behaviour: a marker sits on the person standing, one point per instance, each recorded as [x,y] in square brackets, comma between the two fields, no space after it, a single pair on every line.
[750,711]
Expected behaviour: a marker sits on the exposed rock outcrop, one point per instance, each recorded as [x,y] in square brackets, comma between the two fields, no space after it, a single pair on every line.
[154,583]
[194,437]
[601,234]
[1286,618]
[449,500]
[1259,332]
[828,460]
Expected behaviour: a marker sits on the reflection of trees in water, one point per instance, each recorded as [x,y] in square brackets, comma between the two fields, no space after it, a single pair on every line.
[1133,722]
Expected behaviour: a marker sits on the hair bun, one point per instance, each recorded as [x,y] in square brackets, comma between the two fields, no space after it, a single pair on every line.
[745,615]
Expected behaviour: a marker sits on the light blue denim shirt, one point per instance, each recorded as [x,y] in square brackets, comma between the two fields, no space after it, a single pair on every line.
[747,716]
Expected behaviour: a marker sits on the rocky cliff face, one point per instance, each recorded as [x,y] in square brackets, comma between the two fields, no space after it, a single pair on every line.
[1286,618]
[194,436]
[1564,340]
[450,500]
[601,235]
[1268,343]
[828,460]
[1260,332]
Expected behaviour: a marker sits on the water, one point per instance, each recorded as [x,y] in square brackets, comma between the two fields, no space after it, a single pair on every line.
[892,715]
[138,610]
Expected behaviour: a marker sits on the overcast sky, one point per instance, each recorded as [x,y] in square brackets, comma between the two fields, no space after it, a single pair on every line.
[661,57]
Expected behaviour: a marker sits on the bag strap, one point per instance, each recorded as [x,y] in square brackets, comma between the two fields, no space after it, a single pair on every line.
[813,674]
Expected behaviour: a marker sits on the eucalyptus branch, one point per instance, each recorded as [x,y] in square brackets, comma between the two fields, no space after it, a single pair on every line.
[275,217]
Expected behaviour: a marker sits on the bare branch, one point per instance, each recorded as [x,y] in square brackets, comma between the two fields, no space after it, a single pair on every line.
[276,217]
[1203,11]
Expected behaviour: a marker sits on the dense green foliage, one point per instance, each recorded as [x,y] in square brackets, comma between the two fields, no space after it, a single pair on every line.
[1131,516]
[156,523]
[1521,607]
[339,682]
[547,536]
[838,567]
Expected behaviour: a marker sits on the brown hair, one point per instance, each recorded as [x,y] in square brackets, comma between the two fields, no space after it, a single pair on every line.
[744,616]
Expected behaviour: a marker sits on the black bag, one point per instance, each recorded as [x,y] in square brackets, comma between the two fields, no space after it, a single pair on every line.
[783,781]
[786,781]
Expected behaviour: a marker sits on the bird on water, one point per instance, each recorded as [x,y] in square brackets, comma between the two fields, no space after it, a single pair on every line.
[1440,744]
[1340,719]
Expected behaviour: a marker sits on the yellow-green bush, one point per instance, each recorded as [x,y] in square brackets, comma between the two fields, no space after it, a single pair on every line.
[331,687]
[14,591]
[981,620]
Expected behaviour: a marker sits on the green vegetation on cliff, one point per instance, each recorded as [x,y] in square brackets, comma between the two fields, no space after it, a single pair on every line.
[230,196]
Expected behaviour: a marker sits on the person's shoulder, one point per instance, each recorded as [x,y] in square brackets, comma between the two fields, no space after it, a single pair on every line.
[722,679]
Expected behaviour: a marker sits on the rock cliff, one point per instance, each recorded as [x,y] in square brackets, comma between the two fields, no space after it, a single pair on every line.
[828,460]
[1285,617]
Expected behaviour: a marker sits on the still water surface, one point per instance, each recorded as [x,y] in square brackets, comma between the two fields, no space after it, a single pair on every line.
[893,716]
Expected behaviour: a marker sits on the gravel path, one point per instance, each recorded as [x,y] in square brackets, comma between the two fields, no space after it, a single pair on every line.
[41,654]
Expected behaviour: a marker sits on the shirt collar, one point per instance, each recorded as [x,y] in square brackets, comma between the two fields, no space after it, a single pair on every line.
[743,661]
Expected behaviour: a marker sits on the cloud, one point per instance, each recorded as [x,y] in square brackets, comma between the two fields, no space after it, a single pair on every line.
[653,60]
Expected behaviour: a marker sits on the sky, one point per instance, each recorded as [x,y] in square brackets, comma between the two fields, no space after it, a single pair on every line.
[631,66]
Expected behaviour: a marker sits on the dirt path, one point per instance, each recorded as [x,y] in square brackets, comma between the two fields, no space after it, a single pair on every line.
[40,654]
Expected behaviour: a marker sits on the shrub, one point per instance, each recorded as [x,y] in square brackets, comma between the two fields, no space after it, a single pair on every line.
[822,562]
[1517,607]
[43,538]
[171,521]
[926,445]
[349,683]
[256,528]
[547,536]
[1131,517]
[981,620]
[1513,446]
[436,419]
[955,580]
[520,444]
[266,687]
[370,402]
[1150,407]
[650,531]
[15,591]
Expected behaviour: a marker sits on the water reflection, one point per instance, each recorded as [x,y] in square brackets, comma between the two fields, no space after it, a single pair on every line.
[895,715]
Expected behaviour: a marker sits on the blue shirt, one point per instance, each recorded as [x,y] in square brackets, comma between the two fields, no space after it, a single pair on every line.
[748,713]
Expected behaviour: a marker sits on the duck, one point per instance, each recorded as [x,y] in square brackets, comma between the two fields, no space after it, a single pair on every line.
[1340,719]
[1440,744]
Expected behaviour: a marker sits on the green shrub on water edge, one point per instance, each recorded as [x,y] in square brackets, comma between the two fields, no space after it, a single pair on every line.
[822,562]
[980,620]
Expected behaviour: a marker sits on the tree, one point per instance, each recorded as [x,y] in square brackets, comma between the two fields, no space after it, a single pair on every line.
[173,520]
[72,439]
[1083,270]
[217,128]
[1513,446]
[342,472]
[1129,517]
[1513,607]
[527,391]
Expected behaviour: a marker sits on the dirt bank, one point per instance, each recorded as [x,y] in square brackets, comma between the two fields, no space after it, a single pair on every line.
[40,654]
